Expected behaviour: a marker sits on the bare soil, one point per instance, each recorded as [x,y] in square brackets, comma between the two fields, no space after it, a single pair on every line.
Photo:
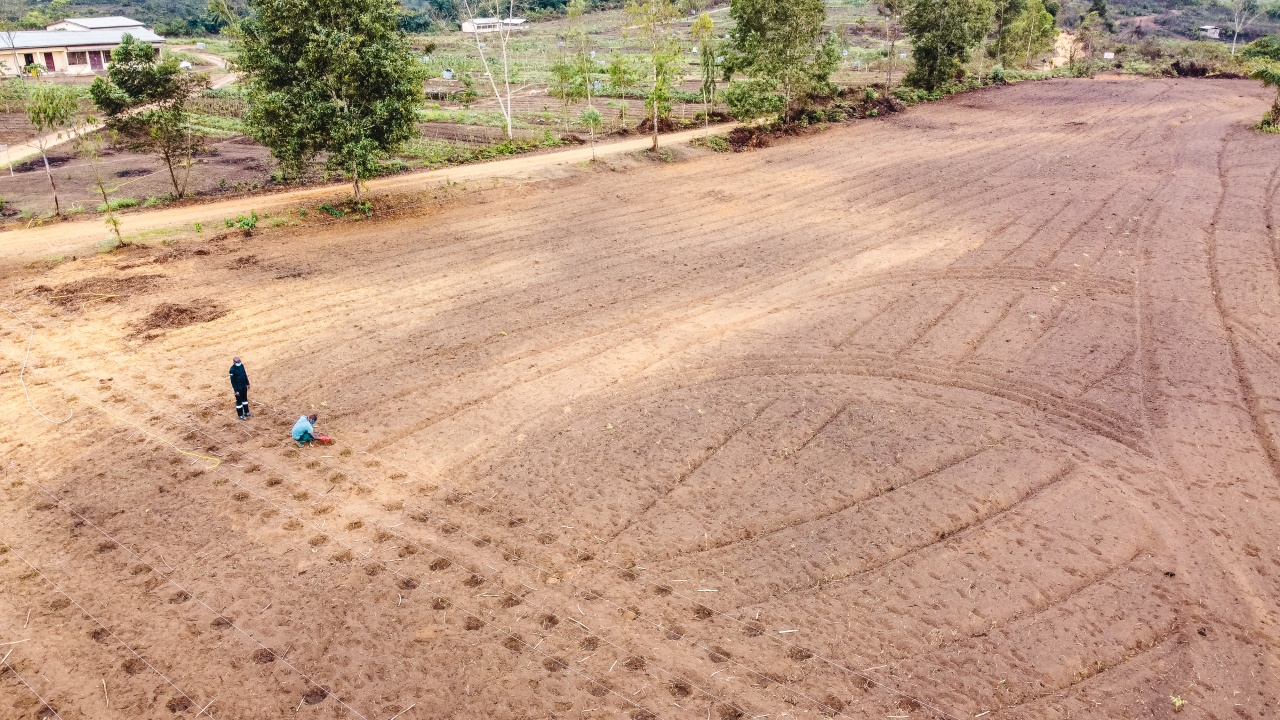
[970,411]
[233,165]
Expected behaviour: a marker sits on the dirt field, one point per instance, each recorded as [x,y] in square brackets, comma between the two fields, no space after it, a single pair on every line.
[969,412]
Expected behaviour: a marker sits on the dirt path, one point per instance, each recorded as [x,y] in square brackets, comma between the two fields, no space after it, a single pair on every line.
[15,154]
[970,412]
[81,236]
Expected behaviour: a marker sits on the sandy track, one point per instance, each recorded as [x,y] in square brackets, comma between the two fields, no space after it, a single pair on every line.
[967,412]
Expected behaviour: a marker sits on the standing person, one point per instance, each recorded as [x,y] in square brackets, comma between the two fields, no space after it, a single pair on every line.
[240,384]
[304,431]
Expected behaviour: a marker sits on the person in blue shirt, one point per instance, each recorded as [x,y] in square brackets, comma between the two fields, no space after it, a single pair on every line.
[240,385]
[304,431]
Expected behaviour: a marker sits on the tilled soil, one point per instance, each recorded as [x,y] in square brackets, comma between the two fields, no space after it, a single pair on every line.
[968,412]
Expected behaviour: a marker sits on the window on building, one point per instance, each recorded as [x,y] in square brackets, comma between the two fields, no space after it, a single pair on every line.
[77,58]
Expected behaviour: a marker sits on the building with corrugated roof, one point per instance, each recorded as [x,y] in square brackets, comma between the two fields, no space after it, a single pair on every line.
[74,46]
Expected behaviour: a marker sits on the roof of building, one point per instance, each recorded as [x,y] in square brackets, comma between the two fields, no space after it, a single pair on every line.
[30,39]
[103,23]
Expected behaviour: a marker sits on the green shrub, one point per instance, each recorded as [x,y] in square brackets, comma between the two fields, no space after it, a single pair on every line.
[1264,48]
[753,99]
[118,204]
[336,212]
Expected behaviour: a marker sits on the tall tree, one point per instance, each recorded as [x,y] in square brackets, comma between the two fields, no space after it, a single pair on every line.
[704,34]
[944,32]
[1006,13]
[781,41]
[1034,30]
[1243,13]
[144,98]
[504,40]
[52,112]
[654,21]
[329,76]
[891,11]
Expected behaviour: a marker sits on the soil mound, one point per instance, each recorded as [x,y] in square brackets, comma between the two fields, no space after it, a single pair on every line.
[170,316]
[74,295]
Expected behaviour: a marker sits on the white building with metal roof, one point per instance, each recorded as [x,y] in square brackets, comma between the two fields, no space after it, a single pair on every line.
[71,46]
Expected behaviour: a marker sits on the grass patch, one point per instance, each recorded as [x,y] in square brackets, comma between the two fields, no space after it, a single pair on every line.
[118,204]
[485,118]
[216,125]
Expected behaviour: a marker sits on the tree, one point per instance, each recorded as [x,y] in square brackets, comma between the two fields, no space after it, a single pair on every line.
[1243,13]
[36,18]
[565,87]
[1034,30]
[704,34]
[329,76]
[944,32]
[51,111]
[891,11]
[504,37]
[10,11]
[90,147]
[621,73]
[653,19]
[593,121]
[1103,12]
[780,41]
[1006,13]
[145,101]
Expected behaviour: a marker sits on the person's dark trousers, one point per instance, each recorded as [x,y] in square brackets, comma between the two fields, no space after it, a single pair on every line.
[242,403]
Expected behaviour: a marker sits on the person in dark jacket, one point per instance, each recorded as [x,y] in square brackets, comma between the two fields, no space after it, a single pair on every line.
[240,384]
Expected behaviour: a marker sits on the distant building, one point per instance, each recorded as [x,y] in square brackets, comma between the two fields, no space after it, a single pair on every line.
[115,22]
[75,46]
[489,25]
[1210,31]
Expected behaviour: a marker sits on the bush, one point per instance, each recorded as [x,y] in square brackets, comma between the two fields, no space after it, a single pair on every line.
[753,99]
[718,143]
[1264,48]
[244,222]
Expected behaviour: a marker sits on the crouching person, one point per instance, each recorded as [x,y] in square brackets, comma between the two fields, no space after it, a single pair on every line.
[304,431]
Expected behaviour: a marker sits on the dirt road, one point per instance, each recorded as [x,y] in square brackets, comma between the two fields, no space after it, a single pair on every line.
[82,236]
[969,412]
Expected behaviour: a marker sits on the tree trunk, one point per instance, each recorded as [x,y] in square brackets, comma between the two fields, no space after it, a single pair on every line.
[893,57]
[655,105]
[355,180]
[173,177]
[1234,37]
[57,208]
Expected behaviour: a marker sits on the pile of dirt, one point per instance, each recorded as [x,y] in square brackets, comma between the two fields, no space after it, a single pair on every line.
[170,316]
[75,295]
